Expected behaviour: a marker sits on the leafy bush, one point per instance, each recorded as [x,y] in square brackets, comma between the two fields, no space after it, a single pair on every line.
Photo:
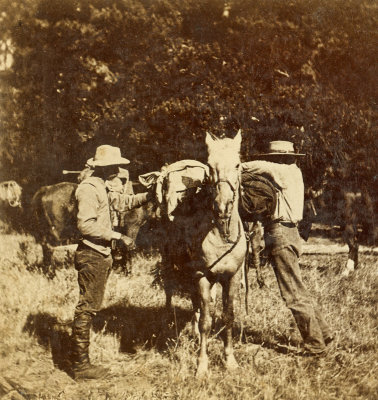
[153,76]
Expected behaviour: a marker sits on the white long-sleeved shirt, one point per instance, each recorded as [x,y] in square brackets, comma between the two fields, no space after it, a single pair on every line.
[289,178]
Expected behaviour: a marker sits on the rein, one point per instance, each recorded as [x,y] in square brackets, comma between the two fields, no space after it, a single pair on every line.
[234,191]
[230,249]
[234,243]
[246,259]
[228,182]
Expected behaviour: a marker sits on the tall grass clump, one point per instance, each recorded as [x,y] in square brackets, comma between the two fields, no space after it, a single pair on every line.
[152,353]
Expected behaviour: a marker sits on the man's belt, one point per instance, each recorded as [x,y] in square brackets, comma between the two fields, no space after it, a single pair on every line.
[98,242]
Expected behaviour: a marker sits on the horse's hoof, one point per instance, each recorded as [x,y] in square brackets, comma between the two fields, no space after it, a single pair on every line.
[202,374]
[231,363]
[350,267]
[202,369]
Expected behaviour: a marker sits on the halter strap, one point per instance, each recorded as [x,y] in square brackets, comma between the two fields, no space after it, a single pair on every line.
[225,181]
[230,249]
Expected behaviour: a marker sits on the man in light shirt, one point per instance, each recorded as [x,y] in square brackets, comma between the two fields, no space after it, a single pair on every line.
[283,242]
[93,259]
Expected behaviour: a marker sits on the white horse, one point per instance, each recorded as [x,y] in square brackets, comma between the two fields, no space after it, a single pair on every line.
[205,244]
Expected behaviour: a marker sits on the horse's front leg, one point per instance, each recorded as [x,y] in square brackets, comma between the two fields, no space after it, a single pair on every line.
[196,309]
[229,291]
[196,314]
[204,325]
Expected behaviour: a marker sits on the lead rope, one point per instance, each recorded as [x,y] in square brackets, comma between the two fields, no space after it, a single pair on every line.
[246,269]
[229,250]
[246,258]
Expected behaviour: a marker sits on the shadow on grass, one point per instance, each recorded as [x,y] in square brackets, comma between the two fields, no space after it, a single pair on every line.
[150,327]
[279,343]
[53,336]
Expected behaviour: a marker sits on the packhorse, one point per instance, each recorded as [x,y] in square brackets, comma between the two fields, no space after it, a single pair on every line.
[204,240]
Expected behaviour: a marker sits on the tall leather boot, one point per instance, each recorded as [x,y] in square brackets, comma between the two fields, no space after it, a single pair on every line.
[81,367]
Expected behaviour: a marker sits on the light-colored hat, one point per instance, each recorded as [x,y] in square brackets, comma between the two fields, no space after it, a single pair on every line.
[281,147]
[107,155]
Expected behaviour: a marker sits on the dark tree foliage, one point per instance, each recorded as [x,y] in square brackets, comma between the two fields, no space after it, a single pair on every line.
[152,76]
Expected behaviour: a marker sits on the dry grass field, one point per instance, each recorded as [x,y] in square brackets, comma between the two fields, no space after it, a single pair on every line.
[153,355]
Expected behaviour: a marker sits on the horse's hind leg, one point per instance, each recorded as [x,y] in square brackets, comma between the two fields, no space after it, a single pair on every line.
[204,325]
[229,292]
[350,237]
[48,266]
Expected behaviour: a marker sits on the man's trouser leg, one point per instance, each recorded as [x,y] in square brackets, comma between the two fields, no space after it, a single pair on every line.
[309,320]
[93,270]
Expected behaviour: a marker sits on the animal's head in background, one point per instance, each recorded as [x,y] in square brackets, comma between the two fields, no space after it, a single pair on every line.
[224,172]
[10,193]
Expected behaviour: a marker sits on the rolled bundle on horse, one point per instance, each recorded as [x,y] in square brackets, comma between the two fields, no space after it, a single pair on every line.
[176,184]
[259,197]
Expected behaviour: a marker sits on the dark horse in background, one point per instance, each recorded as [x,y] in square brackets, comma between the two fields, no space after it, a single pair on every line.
[352,208]
[53,219]
[355,210]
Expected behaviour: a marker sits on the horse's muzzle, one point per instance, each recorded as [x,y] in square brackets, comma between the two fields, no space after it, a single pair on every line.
[223,223]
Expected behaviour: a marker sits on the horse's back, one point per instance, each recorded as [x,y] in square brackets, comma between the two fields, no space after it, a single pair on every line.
[54,210]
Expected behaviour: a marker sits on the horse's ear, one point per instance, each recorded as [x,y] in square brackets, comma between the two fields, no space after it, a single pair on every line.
[209,139]
[238,139]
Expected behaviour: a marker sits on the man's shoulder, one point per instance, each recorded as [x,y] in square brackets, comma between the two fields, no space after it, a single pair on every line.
[262,166]
[92,183]
[253,164]
[92,180]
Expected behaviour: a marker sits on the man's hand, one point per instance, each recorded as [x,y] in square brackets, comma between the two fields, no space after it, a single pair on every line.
[126,243]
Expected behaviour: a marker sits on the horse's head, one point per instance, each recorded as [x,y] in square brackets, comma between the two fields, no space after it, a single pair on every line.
[224,171]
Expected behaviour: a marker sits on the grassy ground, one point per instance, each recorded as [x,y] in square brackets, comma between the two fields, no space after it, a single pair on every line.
[153,356]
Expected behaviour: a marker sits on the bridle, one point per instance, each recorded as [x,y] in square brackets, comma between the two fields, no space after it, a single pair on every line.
[213,186]
[233,188]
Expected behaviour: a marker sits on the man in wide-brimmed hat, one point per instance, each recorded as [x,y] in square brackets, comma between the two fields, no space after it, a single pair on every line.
[93,258]
[283,242]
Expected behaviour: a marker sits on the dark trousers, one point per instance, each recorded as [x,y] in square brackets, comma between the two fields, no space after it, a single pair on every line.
[93,270]
[284,245]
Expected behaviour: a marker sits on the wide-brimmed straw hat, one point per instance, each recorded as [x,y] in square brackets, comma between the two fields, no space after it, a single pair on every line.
[107,155]
[281,148]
